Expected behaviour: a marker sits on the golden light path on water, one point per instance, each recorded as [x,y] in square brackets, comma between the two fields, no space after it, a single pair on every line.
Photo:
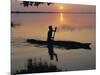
[61,17]
[61,14]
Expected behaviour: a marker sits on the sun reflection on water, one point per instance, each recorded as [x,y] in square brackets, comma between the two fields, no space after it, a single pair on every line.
[61,17]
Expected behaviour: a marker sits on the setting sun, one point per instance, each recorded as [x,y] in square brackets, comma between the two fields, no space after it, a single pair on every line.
[61,7]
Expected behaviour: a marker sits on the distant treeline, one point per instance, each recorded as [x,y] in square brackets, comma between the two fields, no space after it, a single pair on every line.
[32,3]
[52,12]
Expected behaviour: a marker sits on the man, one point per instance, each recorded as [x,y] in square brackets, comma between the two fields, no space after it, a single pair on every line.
[50,40]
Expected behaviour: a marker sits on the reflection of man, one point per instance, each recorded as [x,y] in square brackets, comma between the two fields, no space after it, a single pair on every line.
[50,40]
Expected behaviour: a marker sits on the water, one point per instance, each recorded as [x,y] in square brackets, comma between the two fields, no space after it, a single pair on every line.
[73,27]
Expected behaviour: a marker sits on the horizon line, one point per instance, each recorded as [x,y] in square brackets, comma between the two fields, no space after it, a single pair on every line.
[37,12]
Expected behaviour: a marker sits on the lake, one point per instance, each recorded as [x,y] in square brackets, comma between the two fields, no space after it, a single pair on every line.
[70,27]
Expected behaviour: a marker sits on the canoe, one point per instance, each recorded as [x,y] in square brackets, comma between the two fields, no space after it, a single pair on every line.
[60,44]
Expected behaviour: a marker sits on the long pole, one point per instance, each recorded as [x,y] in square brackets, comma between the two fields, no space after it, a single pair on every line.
[54,32]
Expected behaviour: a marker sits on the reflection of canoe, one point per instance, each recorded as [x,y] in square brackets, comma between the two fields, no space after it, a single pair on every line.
[61,44]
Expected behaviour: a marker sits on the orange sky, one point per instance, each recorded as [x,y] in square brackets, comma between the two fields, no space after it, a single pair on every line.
[56,7]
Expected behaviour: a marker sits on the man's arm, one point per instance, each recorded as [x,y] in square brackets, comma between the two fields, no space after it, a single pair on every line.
[54,33]
[55,29]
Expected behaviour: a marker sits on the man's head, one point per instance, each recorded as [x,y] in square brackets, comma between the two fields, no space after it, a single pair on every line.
[50,27]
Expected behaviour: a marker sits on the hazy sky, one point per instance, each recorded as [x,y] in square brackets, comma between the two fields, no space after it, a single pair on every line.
[16,6]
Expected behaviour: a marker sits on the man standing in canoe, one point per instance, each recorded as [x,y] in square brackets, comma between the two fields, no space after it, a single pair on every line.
[50,39]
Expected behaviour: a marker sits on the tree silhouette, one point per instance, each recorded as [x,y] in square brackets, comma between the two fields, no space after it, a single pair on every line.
[30,3]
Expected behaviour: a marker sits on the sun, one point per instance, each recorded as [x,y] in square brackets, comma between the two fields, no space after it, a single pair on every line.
[61,7]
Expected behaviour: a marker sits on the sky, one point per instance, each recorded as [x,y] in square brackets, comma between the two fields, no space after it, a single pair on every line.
[16,6]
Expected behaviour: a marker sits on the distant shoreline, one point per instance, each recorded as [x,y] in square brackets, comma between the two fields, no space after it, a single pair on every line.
[38,12]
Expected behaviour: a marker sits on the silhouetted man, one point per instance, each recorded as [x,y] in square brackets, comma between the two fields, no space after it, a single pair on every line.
[50,40]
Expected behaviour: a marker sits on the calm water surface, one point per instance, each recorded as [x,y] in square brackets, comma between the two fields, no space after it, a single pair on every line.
[74,27]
